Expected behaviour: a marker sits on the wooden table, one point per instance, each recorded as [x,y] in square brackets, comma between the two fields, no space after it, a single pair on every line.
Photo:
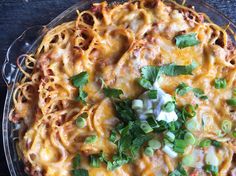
[17,15]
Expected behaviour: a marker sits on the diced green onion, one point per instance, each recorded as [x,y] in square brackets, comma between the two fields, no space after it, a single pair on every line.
[189,138]
[153,123]
[149,151]
[170,136]
[220,83]
[216,143]
[94,161]
[152,94]
[205,143]
[180,143]
[146,127]
[179,149]
[91,139]
[226,126]
[169,151]
[169,106]
[191,125]
[137,104]
[211,169]
[231,102]
[168,143]
[154,144]
[234,134]
[188,160]
[81,122]
[189,111]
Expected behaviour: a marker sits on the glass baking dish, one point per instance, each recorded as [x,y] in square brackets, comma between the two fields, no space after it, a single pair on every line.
[28,43]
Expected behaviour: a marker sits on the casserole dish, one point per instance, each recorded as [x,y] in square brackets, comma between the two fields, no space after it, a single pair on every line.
[27,43]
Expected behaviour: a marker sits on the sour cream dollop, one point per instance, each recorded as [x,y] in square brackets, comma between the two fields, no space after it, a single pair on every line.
[154,106]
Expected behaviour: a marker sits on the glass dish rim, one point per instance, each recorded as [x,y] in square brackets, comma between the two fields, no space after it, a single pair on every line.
[56,21]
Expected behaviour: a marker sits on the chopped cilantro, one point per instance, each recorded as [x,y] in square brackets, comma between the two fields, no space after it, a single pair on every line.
[150,74]
[186,40]
[79,81]
[112,93]
[80,172]
[76,161]
[220,83]
[183,88]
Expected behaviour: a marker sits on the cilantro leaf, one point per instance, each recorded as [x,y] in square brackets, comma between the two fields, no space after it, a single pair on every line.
[150,74]
[183,88]
[220,83]
[152,94]
[124,110]
[145,83]
[186,40]
[138,142]
[94,160]
[199,93]
[112,93]
[82,96]
[113,136]
[76,161]
[80,80]
[80,172]
[175,70]
[124,143]
[118,160]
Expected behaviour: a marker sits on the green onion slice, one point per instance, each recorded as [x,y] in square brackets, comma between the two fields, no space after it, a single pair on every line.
[188,160]
[169,106]
[205,143]
[149,151]
[81,122]
[226,126]
[91,139]
[231,102]
[154,144]
[170,136]
[169,151]
[137,104]
[146,127]
[189,138]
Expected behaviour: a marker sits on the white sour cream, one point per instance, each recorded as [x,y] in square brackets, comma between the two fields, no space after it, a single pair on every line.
[154,106]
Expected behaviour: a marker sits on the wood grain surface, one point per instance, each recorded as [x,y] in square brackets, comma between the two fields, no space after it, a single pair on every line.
[17,15]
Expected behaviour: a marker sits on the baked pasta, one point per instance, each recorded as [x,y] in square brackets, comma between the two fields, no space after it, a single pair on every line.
[143,88]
